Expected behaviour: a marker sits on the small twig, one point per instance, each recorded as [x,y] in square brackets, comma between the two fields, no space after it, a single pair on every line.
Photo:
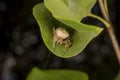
[110,30]
[100,19]
[104,13]
[106,8]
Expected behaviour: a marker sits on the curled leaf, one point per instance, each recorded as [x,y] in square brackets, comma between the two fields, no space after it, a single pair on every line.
[82,34]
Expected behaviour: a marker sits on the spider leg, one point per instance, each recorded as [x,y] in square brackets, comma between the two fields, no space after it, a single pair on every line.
[67,44]
[53,30]
[54,42]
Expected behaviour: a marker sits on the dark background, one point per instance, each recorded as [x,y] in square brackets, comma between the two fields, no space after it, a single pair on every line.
[22,48]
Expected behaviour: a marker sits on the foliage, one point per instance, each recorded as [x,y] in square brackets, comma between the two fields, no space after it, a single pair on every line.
[66,13]
[118,76]
[38,74]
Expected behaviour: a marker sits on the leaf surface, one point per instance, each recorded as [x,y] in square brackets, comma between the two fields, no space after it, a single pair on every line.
[118,76]
[70,9]
[38,74]
[81,34]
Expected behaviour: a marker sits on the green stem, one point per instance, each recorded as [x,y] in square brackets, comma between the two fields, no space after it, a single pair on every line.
[105,13]
[103,10]
[101,19]
[106,8]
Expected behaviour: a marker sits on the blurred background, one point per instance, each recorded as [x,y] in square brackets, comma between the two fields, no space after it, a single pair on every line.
[22,47]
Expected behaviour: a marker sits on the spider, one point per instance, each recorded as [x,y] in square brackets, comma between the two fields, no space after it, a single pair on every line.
[61,36]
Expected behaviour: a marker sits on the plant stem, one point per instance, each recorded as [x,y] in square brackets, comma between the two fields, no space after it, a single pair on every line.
[105,14]
[103,10]
[106,8]
[100,19]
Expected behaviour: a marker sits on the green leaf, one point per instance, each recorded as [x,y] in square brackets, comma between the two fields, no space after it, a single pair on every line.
[70,9]
[118,76]
[81,34]
[38,74]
